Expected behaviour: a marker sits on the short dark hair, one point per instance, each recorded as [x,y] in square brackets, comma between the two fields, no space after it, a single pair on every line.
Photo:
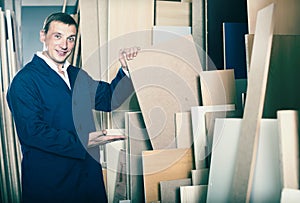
[61,17]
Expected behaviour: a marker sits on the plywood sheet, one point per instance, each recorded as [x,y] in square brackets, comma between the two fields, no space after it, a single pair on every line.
[170,189]
[130,16]
[164,84]
[200,176]
[193,194]
[184,134]
[200,128]
[287,15]
[266,184]
[289,148]
[112,154]
[89,33]
[217,87]
[290,195]
[257,80]
[166,33]
[136,142]
[173,13]
[161,165]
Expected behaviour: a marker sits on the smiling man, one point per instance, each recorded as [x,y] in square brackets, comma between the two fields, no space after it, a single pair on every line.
[51,102]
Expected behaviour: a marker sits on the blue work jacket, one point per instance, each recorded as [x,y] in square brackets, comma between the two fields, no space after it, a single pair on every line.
[53,123]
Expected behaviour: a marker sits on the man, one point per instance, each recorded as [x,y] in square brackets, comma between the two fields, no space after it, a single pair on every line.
[51,102]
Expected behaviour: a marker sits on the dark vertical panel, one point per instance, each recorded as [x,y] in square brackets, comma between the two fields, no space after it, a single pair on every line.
[217,13]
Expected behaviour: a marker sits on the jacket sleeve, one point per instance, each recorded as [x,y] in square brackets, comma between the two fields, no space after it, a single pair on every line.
[33,132]
[110,96]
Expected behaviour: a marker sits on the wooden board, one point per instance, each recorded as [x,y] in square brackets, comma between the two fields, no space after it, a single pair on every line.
[136,142]
[200,176]
[217,87]
[164,84]
[161,165]
[257,80]
[112,154]
[89,34]
[166,33]
[193,194]
[289,148]
[184,134]
[290,195]
[266,184]
[287,16]
[200,128]
[170,190]
[173,13]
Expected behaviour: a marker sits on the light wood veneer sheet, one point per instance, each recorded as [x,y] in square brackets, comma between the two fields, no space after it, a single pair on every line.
[161,165]
[166,82]
[257,82]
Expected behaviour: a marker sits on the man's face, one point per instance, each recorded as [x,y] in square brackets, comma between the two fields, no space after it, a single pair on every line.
[59,41]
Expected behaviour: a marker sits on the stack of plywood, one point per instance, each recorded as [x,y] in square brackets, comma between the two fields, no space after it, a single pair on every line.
[10,187]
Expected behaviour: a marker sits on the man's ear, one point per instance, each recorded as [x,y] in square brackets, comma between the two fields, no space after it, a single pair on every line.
[42,36]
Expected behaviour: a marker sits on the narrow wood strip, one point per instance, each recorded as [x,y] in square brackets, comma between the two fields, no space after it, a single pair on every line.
[248,142]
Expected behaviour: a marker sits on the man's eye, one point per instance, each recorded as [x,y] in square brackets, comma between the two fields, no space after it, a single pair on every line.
[57,36]
[71,39]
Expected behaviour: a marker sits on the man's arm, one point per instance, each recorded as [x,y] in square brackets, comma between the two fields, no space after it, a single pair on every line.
[27,109]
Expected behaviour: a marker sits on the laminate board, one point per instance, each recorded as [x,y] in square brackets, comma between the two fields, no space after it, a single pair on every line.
[112,153]
[234,48]
[217,87]
[289,147]
[287,16]
[184,134]
[162,165]
[137,142]
[164,84]
[266,185]
[89,36]
[121,179]
[170,190]
[200,176]
[290,195]
[193,194]
[166,33]
[201,139]
[257,81]
[173,13]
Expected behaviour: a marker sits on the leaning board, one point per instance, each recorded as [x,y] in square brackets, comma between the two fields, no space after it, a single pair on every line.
[165,84]
[161,165]
[257,81]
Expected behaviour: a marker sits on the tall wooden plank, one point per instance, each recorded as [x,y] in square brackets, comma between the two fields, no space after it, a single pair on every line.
[287,15]
[257,80]
[289,148]
[161,165]
[89,35]
[13,176]
[198,25]
[137,142]
[183,125]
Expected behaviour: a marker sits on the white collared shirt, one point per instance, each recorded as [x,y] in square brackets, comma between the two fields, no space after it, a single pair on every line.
[52,65]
